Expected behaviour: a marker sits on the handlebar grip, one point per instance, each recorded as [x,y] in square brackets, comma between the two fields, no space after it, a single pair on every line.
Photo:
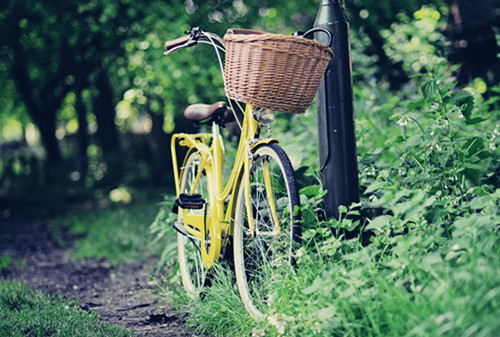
[176,42]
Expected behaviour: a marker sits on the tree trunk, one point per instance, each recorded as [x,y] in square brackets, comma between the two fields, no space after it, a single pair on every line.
[104,110]
[43,114]
[50,143]
[82,160]
[470,29]
[159,144]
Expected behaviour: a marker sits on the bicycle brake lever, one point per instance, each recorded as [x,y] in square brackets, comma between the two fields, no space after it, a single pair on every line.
[195,32]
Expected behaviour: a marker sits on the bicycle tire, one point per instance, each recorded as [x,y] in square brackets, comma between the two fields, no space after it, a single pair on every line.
[193,273]
[259,259]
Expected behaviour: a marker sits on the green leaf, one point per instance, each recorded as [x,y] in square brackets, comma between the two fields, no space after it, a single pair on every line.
[311,191]
[443,159]
[475,120]
[418,75]
[464,100]
[327,313]
[413,105]
[377,186]
[342,209]
[474,146]
[430,259]
[479,202]
[429,88]
[380,223]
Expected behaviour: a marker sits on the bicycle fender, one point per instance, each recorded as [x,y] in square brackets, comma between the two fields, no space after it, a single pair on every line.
[265,141]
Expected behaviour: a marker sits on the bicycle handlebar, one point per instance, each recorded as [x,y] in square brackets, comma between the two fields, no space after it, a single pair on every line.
[196,33]
[169,45]
[184,41]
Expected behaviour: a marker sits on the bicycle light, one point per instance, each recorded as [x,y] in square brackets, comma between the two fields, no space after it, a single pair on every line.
[263,116]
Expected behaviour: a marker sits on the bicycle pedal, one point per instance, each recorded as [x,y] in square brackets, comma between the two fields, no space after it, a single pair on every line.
[190,201]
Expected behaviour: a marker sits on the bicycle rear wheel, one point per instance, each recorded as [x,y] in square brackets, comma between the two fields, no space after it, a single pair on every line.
[193,273]
[262,255]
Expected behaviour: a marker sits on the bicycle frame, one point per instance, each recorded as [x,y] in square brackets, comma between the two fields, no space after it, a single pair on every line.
[219,221]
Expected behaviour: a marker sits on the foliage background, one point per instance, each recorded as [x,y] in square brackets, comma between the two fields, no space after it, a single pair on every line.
[89,102]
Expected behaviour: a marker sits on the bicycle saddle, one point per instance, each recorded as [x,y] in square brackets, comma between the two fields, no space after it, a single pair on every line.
[217,112]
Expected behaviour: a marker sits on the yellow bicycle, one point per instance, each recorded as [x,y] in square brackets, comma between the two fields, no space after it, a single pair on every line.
[256,212]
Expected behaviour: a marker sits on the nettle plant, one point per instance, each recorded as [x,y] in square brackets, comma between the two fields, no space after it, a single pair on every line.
[447,161]
[439,156]
[444,146]
[448,148]
[428,230]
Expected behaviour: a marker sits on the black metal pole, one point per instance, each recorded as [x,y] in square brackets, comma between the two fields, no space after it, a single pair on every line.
[337,141]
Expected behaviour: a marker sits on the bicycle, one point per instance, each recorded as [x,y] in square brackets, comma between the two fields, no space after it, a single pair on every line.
[256,212]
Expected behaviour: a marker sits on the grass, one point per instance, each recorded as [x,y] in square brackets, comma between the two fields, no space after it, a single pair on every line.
[119,234]
[25,312]
[5,262]
[453,291]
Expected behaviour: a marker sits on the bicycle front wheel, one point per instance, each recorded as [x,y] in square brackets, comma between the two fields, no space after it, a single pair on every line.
[266,232]
[193,273]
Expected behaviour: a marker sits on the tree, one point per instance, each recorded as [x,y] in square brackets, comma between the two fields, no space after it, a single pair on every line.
[108,54]
[475,48]
[41,77]
[52,48]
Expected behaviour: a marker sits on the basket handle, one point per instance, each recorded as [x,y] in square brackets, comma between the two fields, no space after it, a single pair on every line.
[313,30]
[243,31]
[300,34]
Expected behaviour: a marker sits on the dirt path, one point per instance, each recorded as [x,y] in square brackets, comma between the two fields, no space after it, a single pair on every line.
[121,295]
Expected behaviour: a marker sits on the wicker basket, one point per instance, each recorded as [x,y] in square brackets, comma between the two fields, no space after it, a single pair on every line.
[273,71]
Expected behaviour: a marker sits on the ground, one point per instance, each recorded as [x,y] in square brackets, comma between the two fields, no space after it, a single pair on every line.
[122,295]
